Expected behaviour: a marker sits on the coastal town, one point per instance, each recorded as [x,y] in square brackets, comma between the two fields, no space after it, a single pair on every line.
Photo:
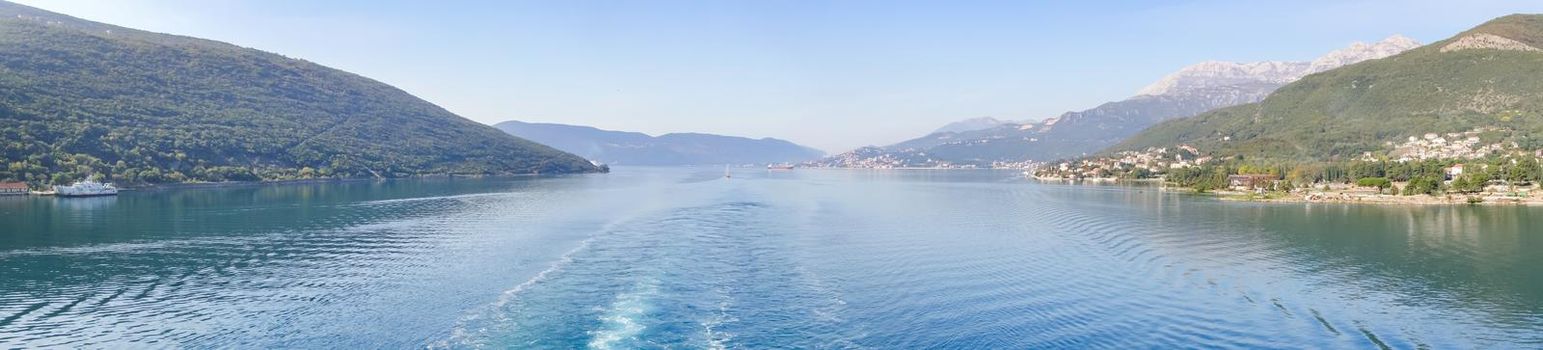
[1432,168]
[880,158]
[1130,164]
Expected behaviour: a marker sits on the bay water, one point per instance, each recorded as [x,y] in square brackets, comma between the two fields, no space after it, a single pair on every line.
[810,258]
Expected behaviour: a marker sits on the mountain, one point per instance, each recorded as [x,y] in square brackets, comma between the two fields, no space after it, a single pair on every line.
[1486,82]
[1191,90]
[1207,76]
[80,98]
[971,124]
[632,148]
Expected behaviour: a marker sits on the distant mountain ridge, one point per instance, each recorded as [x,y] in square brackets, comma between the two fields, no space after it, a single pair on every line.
[1204,76]
[84,99]
[971,125]
[634,148]
[1191,90]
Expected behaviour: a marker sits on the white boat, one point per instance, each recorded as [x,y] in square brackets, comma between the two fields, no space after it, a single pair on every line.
[85,189]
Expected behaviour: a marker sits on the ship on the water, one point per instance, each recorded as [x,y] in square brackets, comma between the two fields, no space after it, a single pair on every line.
[86,188]
[779,167]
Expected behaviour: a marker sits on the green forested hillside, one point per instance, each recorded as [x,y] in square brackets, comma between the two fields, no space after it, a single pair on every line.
[81,99]
[1358,108]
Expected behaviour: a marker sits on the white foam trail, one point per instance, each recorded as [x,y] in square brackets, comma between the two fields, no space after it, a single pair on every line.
[417,199]
[716,338]
[461,335]
[623,320]
[562,261]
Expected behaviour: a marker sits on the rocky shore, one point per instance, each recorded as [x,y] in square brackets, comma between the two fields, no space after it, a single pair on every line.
[1495,195]
[1531,195]
[1373,198]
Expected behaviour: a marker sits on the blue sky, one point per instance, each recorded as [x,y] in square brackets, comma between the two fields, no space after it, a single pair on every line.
[830,74]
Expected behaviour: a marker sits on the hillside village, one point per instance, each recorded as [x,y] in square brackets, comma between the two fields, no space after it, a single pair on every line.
[1462,145]
[1148,163]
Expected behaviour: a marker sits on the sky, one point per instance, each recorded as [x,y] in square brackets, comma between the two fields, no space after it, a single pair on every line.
[834,75]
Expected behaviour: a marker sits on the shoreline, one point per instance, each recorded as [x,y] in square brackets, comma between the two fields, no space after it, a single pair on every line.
[229,184]
[1487,199]
[226,184]
[1347,196]
[236,184]
[900,168]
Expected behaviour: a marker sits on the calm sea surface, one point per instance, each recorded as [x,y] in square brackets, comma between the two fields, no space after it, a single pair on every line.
[683,258]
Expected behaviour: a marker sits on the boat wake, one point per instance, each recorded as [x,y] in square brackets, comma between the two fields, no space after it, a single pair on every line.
[623,320]
[468,330]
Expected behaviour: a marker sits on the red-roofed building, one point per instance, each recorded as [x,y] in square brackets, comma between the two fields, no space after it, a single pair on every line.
[12,188]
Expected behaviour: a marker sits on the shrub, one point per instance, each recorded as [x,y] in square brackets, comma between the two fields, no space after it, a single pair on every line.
[1380,183]
[1422,185]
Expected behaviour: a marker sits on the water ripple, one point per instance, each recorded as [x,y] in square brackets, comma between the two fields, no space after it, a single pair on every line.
[684,259]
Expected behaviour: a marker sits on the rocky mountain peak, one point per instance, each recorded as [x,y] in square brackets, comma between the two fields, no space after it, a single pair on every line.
[1210,75]
[1360,51]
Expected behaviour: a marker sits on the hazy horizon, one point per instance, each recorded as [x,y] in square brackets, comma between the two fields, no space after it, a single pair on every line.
[833,76]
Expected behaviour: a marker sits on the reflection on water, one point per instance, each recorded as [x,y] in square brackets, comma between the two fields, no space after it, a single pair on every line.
[85,205]
[659,257]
